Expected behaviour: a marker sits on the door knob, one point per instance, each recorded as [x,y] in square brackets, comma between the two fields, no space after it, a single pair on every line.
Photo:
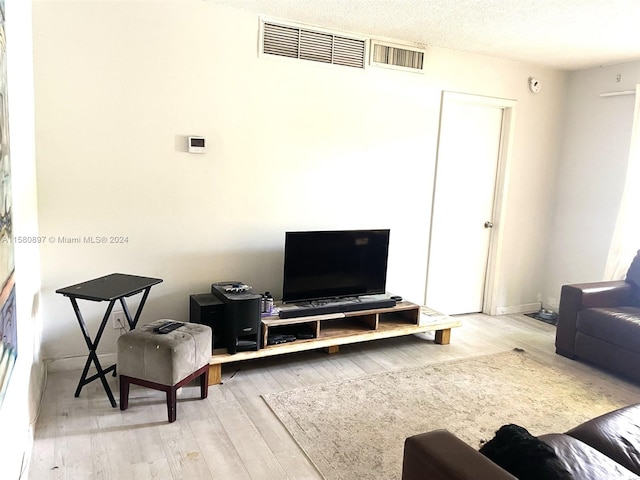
[488,225]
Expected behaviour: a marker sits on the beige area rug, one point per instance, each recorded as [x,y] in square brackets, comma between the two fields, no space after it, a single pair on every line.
[355,429]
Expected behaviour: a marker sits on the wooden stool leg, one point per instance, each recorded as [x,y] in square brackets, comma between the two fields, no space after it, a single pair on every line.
[170,390]
[124,392]
[204,383]
[171,403]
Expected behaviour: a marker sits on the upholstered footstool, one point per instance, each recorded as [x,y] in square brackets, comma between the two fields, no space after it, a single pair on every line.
[164,362]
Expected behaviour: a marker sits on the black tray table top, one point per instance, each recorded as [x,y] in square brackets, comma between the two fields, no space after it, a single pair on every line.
[109,287]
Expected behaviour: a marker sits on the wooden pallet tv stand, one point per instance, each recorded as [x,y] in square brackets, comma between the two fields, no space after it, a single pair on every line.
[335,329]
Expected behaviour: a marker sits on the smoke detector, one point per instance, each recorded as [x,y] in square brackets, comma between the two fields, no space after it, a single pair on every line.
[534,85]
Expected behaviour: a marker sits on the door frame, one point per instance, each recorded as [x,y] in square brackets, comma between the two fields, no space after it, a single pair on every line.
[492,281]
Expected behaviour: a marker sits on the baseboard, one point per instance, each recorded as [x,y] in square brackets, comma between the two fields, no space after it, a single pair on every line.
[526,308]
[77,363]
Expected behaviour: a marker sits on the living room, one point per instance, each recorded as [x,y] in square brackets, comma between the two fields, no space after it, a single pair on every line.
[118,86]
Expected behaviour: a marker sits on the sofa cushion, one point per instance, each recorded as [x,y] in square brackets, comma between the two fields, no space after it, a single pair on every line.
[616,434]
[619,326]
[584,462]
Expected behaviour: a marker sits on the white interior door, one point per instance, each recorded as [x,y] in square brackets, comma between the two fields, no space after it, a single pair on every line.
[469,149]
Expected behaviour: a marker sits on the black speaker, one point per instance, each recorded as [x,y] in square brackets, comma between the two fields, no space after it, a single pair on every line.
[242,314]
[208,310]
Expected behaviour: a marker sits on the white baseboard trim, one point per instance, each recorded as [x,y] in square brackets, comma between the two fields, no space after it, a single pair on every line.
[77,363]
[526,308]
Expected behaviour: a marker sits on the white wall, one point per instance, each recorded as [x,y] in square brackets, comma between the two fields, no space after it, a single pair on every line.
[19,410]
[291,145]
[590,176]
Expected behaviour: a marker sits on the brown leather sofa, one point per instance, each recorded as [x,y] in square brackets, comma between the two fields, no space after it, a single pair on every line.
[605,448]
[600,322]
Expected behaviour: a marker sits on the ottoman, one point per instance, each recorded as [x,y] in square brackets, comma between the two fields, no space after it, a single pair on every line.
[164,362]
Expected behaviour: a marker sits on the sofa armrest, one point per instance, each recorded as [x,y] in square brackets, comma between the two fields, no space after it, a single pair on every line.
[440,455]
[578,296]
[615,434]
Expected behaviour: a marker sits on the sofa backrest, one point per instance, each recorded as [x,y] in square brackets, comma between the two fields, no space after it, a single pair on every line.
[633,277]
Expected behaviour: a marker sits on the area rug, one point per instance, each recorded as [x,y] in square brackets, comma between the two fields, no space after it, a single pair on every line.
[355,429]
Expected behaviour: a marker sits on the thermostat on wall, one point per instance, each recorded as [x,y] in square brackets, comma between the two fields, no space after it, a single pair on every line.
[197,145]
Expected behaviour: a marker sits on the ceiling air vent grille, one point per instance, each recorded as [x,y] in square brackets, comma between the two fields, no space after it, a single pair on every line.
[316,46]
[348,52]
[280,40]
[400,57]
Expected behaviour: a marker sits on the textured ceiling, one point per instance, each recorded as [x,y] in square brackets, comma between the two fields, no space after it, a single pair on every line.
[561,34]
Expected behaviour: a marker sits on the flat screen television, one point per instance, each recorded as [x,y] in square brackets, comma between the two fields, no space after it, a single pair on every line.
[334,264]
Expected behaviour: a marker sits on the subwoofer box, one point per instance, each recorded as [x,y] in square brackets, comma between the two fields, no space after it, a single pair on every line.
[207,309]
[242,314]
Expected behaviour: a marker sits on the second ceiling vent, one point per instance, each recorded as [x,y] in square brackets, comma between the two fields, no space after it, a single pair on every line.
[397,56]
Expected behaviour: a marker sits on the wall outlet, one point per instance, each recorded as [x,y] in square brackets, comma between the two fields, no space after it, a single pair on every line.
[119,319]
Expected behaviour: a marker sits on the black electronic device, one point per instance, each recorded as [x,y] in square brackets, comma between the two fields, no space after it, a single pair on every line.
[277,339]
[334,264]
[167,327]
[207,309]
[242,315]
[340,305]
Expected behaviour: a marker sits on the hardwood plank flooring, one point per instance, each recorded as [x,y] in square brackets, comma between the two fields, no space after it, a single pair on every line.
[233,434]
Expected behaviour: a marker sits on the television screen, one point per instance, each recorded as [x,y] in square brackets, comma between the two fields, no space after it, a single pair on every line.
[334,264]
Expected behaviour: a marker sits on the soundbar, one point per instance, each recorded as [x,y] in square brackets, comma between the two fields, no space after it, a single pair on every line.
[323,307]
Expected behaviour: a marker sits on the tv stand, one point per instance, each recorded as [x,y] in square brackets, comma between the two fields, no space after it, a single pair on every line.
[331,330]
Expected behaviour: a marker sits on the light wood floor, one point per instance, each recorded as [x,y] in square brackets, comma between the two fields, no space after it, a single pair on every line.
[233,434]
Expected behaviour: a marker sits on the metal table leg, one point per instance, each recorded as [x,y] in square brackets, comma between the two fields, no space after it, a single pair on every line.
[93,357]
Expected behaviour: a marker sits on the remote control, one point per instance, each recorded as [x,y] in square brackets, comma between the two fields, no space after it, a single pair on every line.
[167,327]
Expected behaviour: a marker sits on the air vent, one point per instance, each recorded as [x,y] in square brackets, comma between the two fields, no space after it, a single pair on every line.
[399,57]
[314,45]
